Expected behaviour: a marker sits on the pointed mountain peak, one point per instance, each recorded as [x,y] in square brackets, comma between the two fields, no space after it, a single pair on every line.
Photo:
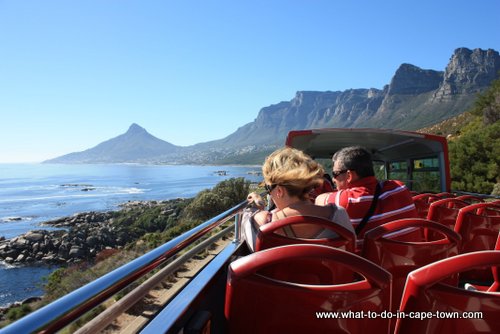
[134,128]
[136,145]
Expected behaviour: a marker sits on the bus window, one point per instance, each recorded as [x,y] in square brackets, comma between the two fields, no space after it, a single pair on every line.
[379,169]
[398,170]
[426,175]
[326,163]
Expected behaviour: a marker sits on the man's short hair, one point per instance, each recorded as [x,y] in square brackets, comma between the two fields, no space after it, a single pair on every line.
[355,158]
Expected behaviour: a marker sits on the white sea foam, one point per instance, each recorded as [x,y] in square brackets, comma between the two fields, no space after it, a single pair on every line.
[135,191]
[96,192]
[5,265]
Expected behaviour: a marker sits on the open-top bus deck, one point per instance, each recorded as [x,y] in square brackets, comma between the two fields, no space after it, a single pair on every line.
[392,284]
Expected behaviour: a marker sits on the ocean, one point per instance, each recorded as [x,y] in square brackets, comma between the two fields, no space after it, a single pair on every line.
[34,193]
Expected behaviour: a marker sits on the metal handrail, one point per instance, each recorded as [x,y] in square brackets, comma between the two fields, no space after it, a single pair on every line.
[107,316]
[70,307]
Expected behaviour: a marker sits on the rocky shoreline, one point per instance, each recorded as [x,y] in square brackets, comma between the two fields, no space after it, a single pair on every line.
[77,238]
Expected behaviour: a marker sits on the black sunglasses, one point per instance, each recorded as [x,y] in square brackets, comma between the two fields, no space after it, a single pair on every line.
[337,174]
[270,188]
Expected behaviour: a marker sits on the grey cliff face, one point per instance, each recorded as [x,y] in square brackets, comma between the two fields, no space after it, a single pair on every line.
[414,98]
[410,79]
[469,71]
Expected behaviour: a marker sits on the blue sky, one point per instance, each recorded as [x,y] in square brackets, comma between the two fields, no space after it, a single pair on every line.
[76,73]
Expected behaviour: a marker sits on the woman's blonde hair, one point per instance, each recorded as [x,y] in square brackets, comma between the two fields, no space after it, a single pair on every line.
[294,170]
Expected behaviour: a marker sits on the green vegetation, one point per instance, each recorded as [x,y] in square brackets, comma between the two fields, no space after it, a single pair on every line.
[475,149]
[225,195]
[475,159]
[18,312]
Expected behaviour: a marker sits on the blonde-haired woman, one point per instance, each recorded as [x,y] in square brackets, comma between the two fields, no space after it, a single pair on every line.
[289,177]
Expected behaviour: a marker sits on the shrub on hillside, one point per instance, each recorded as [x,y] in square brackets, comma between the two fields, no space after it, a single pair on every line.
[487,104]
[223,196]
[475,155]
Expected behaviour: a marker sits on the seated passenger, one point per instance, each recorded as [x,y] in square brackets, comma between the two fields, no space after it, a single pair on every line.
[289,176]
[357,186]
[325,187]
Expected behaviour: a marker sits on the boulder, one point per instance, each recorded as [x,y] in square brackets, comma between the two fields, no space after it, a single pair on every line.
[92,241]
[76,252]
[20,258]
[35,236]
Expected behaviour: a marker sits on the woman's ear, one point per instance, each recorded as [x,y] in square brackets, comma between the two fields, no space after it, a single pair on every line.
[279,191]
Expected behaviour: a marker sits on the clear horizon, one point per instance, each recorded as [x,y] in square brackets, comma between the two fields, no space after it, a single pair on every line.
[75,74]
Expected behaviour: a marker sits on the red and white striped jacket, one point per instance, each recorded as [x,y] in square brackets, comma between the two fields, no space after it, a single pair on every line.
[394,202]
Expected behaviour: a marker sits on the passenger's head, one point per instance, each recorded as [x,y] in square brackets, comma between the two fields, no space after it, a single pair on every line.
[350,164]
[293,170]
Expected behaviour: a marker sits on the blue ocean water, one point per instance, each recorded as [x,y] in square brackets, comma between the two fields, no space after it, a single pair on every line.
[34,193]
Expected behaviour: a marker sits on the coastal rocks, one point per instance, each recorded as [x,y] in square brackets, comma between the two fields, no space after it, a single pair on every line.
[83,236]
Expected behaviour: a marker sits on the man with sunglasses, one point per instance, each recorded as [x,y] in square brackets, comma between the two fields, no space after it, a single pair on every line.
[368,202]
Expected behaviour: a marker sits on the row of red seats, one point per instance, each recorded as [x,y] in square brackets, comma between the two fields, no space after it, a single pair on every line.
[400,247]
[294,289]
[476,221]
[443,206]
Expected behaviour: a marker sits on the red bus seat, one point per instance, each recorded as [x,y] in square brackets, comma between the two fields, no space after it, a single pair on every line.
[399,255]
[445,195]
[471,199]
[271,235]
[422,203]
[282,290]
[425,292]
[495,286]
[479,225]
[445,211]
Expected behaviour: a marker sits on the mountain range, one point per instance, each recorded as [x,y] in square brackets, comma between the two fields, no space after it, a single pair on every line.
[415,98]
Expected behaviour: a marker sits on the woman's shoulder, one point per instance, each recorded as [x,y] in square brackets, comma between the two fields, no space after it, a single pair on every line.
[262,217]
[323,199]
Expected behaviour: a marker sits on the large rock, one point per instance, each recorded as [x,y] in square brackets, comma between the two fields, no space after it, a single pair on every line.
[35,236]
[76,252]
[92,241]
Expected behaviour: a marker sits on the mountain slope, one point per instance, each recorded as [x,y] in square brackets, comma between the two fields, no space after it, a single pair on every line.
[136,145]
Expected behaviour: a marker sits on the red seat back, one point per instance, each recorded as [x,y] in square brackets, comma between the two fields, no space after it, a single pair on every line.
[445,195]
[479,225]
[393,251]
[471,199]
[422,203]
[282,290]
[272,234]
[495,287]
[425,292]
[445,211]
